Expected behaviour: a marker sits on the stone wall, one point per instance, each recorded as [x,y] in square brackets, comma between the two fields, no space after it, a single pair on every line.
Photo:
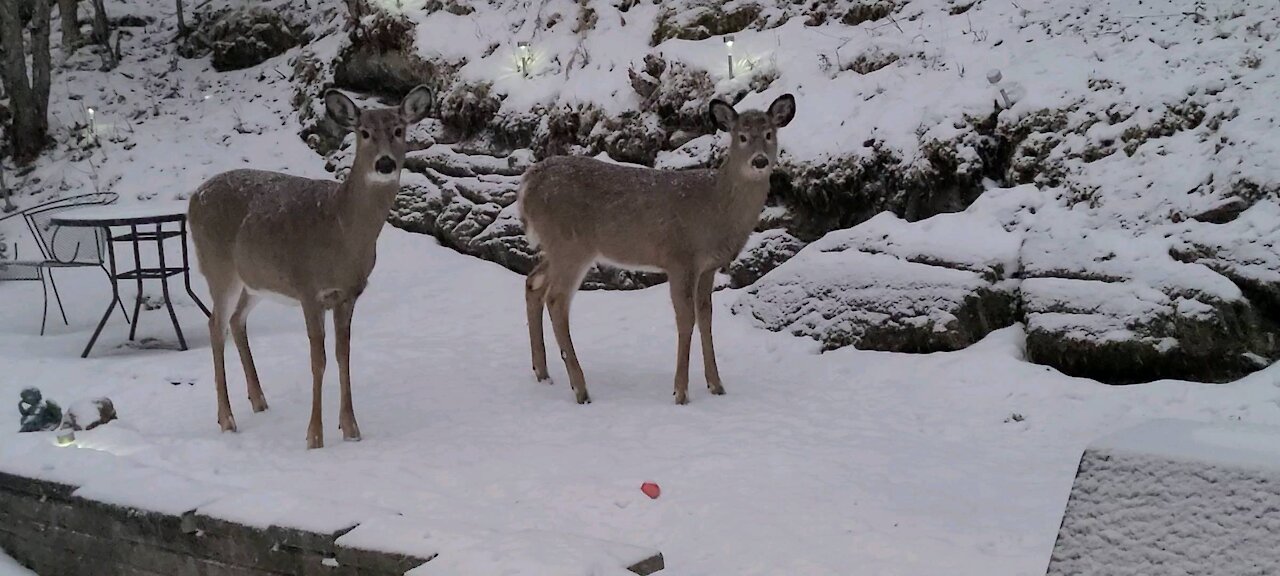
[50,530]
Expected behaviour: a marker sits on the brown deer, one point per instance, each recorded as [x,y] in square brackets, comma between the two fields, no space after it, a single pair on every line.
[686,223]
[312,242]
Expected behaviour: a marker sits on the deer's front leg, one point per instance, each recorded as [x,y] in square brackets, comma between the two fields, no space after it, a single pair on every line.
[706,282]
[682,298]
[315,333]
[342,315]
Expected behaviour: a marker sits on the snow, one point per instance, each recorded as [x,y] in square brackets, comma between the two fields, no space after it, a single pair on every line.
[1224,444]
[10,567]
[813,463]
[897,463]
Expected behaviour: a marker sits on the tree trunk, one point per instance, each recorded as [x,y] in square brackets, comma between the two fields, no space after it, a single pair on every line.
[102,34]
[29,100]
[41,64]
[25,132]
[69,12]
[182,21]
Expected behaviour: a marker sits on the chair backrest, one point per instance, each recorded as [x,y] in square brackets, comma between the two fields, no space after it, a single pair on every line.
[67,244]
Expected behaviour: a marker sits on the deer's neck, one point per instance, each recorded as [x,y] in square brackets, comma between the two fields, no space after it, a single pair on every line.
[741,198]
[364,202]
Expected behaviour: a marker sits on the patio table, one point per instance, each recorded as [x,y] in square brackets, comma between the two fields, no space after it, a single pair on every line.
[149,223]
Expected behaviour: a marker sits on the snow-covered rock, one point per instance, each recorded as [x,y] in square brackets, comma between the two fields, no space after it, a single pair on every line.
[1174,497]
[938,284]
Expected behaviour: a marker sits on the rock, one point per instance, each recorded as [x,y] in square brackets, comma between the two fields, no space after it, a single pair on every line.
[249,36]
[889,285]
[1115,307]
[89,414]
[764,252]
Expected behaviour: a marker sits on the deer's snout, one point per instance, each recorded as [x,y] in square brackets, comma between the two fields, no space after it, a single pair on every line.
[760,162]
[385,165]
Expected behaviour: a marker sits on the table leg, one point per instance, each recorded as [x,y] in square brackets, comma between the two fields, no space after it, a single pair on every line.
[137,265]
[164,287]
[186,269]
[115,296]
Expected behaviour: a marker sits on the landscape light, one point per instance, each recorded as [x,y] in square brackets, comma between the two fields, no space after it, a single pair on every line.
[728,46]
[994,76]
[66,438]
[525,58]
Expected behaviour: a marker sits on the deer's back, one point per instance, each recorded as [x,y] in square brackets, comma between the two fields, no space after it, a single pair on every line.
[626,213]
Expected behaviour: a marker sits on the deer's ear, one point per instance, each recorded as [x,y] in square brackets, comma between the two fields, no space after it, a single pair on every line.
[416,104]
[783,110]
[722,115]
[341,109]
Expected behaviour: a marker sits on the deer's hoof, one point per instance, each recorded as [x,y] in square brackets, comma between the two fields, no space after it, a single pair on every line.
[583,397]
[544,379]
[315,441]
[716,389]
[228,423]
[259,405]
[682,398]
[350,432]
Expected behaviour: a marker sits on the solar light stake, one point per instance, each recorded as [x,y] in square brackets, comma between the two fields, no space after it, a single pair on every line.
[728,46]
[994,77]
[524,58]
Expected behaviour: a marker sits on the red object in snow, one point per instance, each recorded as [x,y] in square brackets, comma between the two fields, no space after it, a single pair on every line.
[651,490]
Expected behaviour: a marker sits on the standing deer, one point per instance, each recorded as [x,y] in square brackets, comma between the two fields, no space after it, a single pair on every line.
[312,242]
[685,223]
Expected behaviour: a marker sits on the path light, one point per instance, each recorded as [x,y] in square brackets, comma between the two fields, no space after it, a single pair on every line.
[525,58]
[66,438]
[994,77]
[93,125]
[728,47]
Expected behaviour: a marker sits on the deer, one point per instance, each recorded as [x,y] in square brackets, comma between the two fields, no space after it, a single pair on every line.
[688,223]
[310,242]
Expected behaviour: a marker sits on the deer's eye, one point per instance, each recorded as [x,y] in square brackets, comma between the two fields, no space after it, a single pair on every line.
[742,138]
[399,132]
[364,134]
[768,136]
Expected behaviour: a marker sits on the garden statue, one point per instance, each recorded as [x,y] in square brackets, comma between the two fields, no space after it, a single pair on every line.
[38,414]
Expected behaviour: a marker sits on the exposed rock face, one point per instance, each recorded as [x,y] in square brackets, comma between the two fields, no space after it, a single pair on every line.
[1119,308]
[890,285]
[764,252]
[249,36]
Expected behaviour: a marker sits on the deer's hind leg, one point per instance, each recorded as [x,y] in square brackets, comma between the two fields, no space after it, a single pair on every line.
[240,333]
[535,299]
[564,275]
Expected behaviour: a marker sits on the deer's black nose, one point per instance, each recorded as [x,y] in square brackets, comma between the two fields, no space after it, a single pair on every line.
[385,165]
[760,162]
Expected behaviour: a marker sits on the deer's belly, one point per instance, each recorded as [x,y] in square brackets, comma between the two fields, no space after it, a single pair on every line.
[274,297]
[602,259]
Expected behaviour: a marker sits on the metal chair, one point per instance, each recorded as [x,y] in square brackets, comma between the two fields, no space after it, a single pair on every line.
[60,248]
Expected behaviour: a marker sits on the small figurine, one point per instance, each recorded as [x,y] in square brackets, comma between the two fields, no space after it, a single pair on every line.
[38,414]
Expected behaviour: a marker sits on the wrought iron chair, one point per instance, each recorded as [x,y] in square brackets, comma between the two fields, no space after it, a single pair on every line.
[60,248]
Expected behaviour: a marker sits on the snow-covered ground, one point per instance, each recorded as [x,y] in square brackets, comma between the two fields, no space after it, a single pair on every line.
[952,463]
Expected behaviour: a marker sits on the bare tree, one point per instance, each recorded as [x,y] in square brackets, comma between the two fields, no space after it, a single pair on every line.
[69,12]
[29,99]
[182,21]
[102,34]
